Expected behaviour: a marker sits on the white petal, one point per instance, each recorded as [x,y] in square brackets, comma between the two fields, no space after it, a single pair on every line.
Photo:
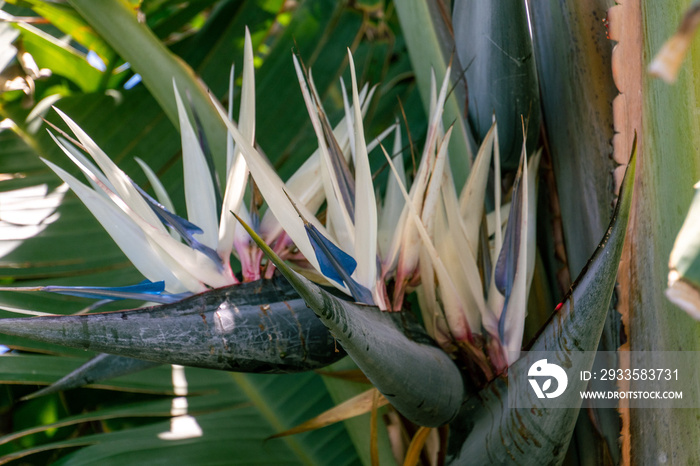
[365,202]
[199,187]
[161,194]
[497,181]
[78,158]
[460,261]
[532,170]
[229,139]
[338,216]
[349,114]
[192,268]
[517,303]
[491,219]
[238,174]
[455,309]
[495,300]
[432,194]
[246,115]
[306,182]
[408,251]
[471,200]
[463,272]
[128,236]
[121,183]
[349,118]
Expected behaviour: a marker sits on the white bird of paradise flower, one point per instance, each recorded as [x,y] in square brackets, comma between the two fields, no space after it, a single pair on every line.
[429,237]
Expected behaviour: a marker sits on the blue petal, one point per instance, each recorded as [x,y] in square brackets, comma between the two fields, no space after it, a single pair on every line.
[336,264]
[144,291]
[507,263]
[132,82]
[184,227]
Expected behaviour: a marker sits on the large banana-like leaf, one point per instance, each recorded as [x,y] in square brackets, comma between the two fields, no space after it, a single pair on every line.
[237,433]
[101,367]
[119,26]
[493,42]
[668,145]
[573,57]
[573,64]
[431,47]
[491,429]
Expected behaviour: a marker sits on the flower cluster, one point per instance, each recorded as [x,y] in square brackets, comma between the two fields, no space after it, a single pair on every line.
[471,271]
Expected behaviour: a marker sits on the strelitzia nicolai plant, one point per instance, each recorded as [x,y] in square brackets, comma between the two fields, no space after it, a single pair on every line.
[344,251]
[127,200]
[417,221]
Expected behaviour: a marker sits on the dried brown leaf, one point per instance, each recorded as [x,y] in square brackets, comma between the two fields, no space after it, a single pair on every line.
[355,406]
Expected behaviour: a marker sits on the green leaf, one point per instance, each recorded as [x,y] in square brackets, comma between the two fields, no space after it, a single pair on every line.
[157,66]
[493,39]
[670,169]
[247,410]
[59,57]
[101,367]
[235,432]
[43,370]
[577,117]
[431,46]
[68,21]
